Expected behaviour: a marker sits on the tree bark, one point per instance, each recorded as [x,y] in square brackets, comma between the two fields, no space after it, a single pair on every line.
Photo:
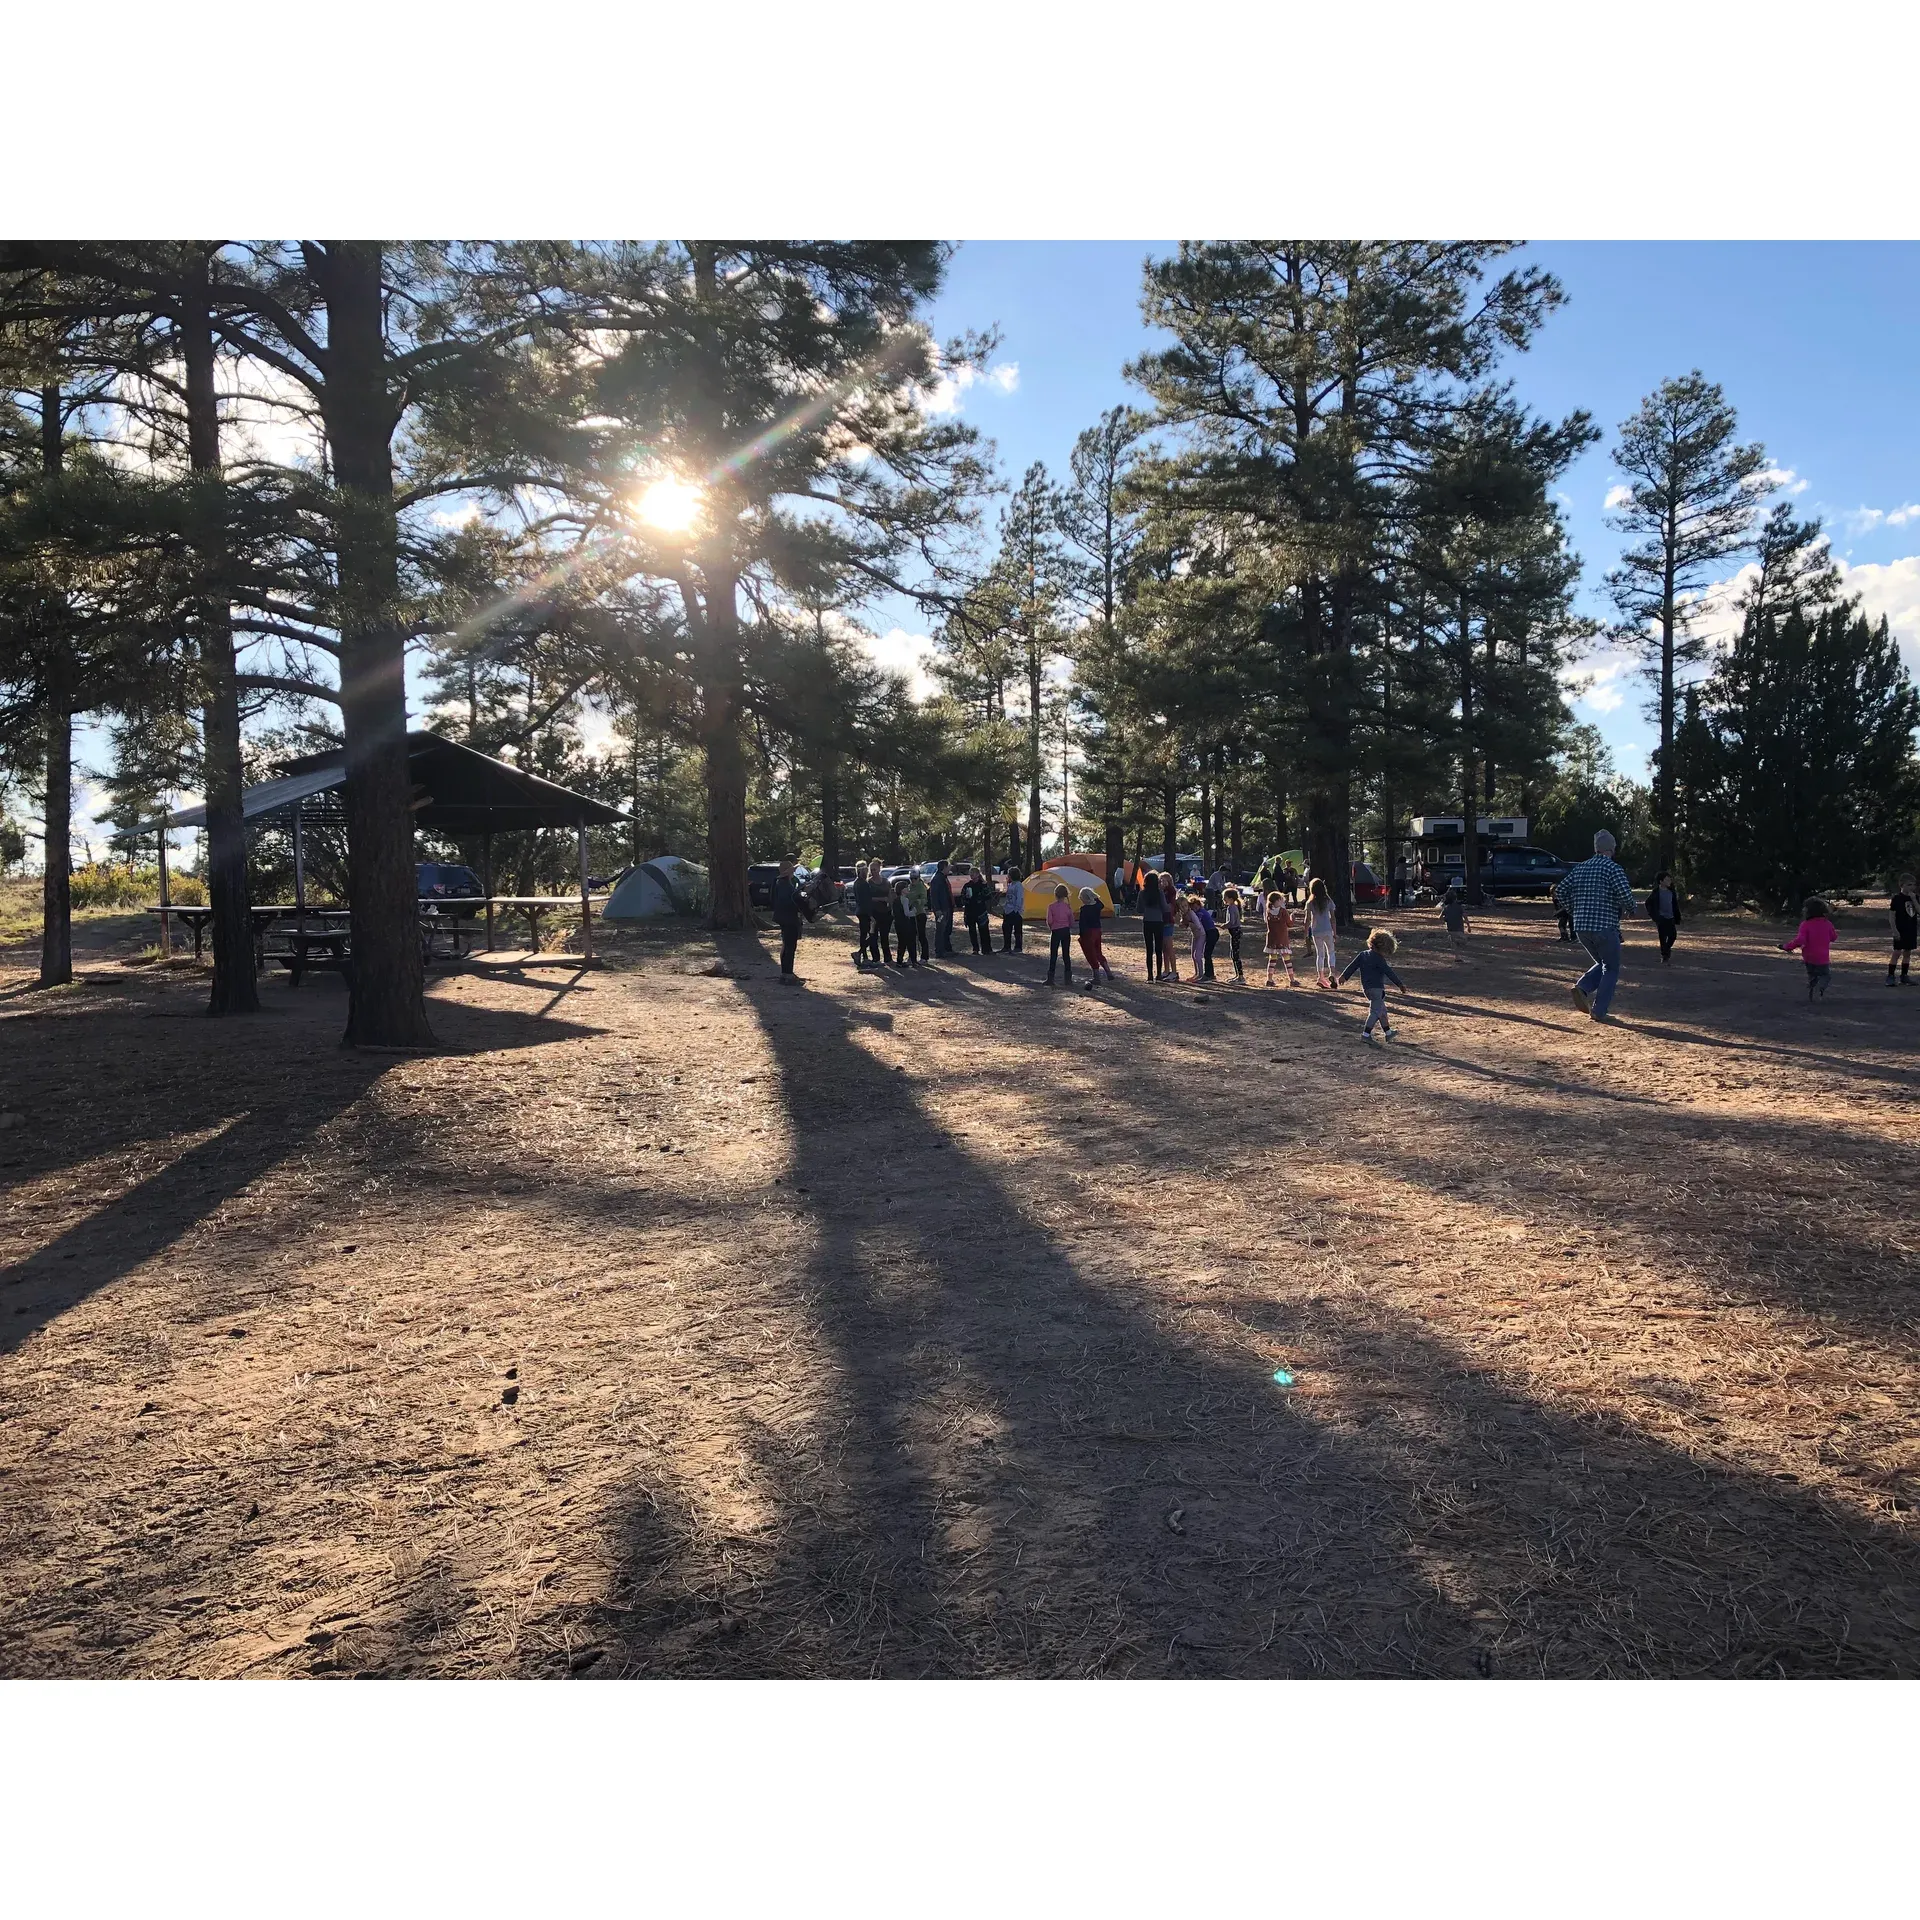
[235,989]
[1170,826]
[387,1003]
[1667,618]
[1470,840]
[830,826]
[722,699]
[1034,665]
[56,891]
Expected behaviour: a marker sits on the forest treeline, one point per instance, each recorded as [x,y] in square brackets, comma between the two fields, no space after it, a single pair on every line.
[1315,581]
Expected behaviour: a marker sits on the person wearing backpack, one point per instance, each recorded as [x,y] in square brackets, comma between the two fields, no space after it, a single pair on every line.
[1013,913]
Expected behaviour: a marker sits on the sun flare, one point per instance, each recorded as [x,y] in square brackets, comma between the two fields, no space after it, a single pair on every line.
[670,505]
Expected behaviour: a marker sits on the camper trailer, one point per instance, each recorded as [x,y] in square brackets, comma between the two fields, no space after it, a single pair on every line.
[1440,843]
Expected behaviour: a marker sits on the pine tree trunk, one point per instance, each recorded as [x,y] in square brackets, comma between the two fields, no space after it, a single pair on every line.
[726,760]
[234,988]
[1033,750]
[1663,786]
[830,827]
[1116,845]
[56,893]
[1170,827]
[387,1004]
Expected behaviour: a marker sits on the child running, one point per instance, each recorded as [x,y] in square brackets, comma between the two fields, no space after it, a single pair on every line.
[1903,914]
[1814,937]
[1060,932]
[1235,908]
[1453,910]
[1090,911]
[1279,937]
[1326,948]
[1370,963]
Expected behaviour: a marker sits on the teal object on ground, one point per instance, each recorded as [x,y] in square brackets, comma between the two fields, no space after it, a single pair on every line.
[1281,1377]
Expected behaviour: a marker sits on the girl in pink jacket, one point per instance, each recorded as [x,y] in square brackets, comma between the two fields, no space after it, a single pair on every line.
[1814,937]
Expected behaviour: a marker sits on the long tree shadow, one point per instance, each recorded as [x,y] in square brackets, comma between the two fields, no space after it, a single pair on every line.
[1022,1459]
[248,1122]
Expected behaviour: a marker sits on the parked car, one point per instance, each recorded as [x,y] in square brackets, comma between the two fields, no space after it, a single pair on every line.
[762,875]
[1515,870]
[1369,890]
[441,885]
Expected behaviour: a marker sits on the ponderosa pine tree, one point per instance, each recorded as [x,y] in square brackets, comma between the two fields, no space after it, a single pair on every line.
[1488,542]
[1692,495]
[749,425]
[1100,518]
[1309,376]
[1809,777]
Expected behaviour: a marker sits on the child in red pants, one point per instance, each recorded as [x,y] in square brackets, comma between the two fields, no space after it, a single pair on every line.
[1090,938]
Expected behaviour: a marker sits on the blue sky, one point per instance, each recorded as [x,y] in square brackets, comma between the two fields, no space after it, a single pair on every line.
[1816,344]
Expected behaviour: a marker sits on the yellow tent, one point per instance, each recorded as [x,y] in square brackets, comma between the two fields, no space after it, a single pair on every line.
[1070,872]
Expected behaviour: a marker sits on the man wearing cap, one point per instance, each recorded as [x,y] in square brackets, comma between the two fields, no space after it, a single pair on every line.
[1597,892]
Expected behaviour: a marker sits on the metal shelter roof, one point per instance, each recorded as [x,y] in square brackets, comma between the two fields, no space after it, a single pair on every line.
[455,788]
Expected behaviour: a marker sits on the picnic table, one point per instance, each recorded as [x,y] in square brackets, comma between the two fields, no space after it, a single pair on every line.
[320,937]
[198,919]
[533,905]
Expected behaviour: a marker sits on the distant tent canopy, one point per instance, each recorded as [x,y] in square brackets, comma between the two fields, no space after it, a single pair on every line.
[456,790]
[1072,871]
[668,885]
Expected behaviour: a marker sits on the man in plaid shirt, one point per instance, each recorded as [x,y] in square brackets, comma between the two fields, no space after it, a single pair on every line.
[1597,892]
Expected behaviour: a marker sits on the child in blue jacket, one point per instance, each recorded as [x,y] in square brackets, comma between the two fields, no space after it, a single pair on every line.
[1370,963]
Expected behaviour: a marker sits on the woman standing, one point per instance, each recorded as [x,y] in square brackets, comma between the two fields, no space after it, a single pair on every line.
[863,910]
[1153,915]
[1013,913]
[1663,908]
[1170,926]
[917,914]
[903,926]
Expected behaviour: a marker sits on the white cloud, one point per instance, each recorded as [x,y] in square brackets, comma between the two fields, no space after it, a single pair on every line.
[1597,686]
[948,393]
[1783,478]
[1892,590]
[1617,497]
[899,651]
[1869,519]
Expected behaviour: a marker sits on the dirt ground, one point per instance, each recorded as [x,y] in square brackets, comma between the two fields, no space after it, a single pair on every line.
[670,1321]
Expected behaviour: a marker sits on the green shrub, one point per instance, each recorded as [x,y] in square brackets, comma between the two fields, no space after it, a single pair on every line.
[125,887]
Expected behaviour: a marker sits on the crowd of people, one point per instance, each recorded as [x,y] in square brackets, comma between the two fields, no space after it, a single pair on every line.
[894,911]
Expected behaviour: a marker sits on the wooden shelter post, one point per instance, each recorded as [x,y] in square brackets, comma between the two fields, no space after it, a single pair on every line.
[586,905]
[486,880]
[166,899]
[299,864]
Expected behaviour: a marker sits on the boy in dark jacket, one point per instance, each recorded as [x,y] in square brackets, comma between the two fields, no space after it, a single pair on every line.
[1663,909]
[1370,963]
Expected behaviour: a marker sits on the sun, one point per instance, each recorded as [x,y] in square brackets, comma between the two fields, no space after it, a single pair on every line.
[670,505]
